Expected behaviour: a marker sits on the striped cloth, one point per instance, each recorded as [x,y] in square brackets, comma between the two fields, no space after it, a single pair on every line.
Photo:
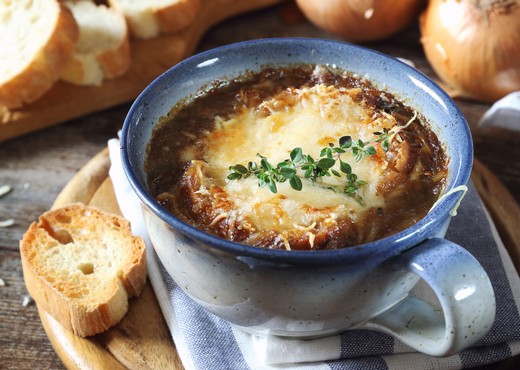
[205,341]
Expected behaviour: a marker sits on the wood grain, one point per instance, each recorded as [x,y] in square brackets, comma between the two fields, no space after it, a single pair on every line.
[77,352]
[150,58]
[142,340]
[502,207]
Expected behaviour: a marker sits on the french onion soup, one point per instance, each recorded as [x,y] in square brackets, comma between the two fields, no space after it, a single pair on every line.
[296,158]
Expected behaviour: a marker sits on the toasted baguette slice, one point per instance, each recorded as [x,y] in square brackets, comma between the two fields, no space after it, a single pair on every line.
[81,265]
[103,48]
[38,36]
[149,18]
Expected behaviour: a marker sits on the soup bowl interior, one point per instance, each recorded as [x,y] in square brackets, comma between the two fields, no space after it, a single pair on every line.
[408,84]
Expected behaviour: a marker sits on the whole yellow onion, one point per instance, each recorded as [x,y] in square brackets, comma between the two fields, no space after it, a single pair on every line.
[362,20]
[474,45]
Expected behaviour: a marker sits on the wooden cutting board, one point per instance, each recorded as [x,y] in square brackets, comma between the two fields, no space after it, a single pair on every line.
[150,58]
[142,340]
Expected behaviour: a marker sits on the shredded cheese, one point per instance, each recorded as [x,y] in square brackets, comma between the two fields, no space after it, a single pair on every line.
[397,129]
[286,243]
[218,218]
[461,188]
[325,111]
[311,238]
[4,189]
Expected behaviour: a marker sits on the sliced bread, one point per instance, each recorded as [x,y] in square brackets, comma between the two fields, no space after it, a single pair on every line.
[38,37]
[149,18]
[81,265]
[103,48]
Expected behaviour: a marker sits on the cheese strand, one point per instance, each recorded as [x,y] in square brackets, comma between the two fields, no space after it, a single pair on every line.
[461,188]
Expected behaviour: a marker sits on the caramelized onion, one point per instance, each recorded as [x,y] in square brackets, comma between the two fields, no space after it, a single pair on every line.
[474,46]
[361,20]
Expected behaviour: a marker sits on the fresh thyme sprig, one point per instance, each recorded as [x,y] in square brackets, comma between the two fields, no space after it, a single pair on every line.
[287,170]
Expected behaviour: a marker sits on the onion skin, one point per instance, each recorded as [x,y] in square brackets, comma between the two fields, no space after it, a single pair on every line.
[362,20]
[474,46]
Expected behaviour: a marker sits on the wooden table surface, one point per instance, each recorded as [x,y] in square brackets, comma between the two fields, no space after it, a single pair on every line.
[38,165]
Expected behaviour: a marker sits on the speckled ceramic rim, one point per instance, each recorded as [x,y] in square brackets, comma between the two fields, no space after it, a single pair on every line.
[286,48]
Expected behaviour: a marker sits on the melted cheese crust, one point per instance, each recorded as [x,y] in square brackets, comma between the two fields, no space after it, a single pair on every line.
[309,118]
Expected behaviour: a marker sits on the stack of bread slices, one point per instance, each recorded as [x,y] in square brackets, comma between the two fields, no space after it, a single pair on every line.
[83,42]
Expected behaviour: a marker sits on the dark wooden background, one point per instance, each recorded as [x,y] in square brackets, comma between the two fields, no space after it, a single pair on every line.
[37,167]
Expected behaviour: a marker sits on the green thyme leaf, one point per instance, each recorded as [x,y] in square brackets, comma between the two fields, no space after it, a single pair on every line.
[234,176]
[288,172]
[300,165]
[370,150]
[326,163]
[265,164]
[296,155]
[345,167]
[351,189]
[272,186]
[240,169]
[296,183]
[345,141]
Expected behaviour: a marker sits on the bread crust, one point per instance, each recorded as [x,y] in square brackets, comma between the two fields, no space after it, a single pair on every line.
[106,63]
[116,62]
[113,63]
[177,16]
[154,19]
[61,291]
[39,75]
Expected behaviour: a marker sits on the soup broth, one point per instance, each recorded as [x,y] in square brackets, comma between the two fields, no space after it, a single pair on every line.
[363,164]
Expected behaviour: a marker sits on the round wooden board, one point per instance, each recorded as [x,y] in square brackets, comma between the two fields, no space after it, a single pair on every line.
[142,340]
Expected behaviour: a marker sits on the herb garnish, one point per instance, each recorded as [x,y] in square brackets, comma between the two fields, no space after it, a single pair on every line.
[269,175]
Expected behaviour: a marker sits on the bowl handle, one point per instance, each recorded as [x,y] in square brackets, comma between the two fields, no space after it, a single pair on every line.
[463,290]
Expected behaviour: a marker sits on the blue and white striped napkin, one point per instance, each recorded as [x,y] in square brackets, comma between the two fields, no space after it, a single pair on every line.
[205,341]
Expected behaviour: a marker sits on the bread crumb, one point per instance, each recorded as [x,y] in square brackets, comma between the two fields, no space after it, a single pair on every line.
[7,223]
[27,300]
[4,189]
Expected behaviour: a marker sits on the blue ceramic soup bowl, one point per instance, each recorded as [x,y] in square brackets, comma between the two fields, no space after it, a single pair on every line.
[309,293]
